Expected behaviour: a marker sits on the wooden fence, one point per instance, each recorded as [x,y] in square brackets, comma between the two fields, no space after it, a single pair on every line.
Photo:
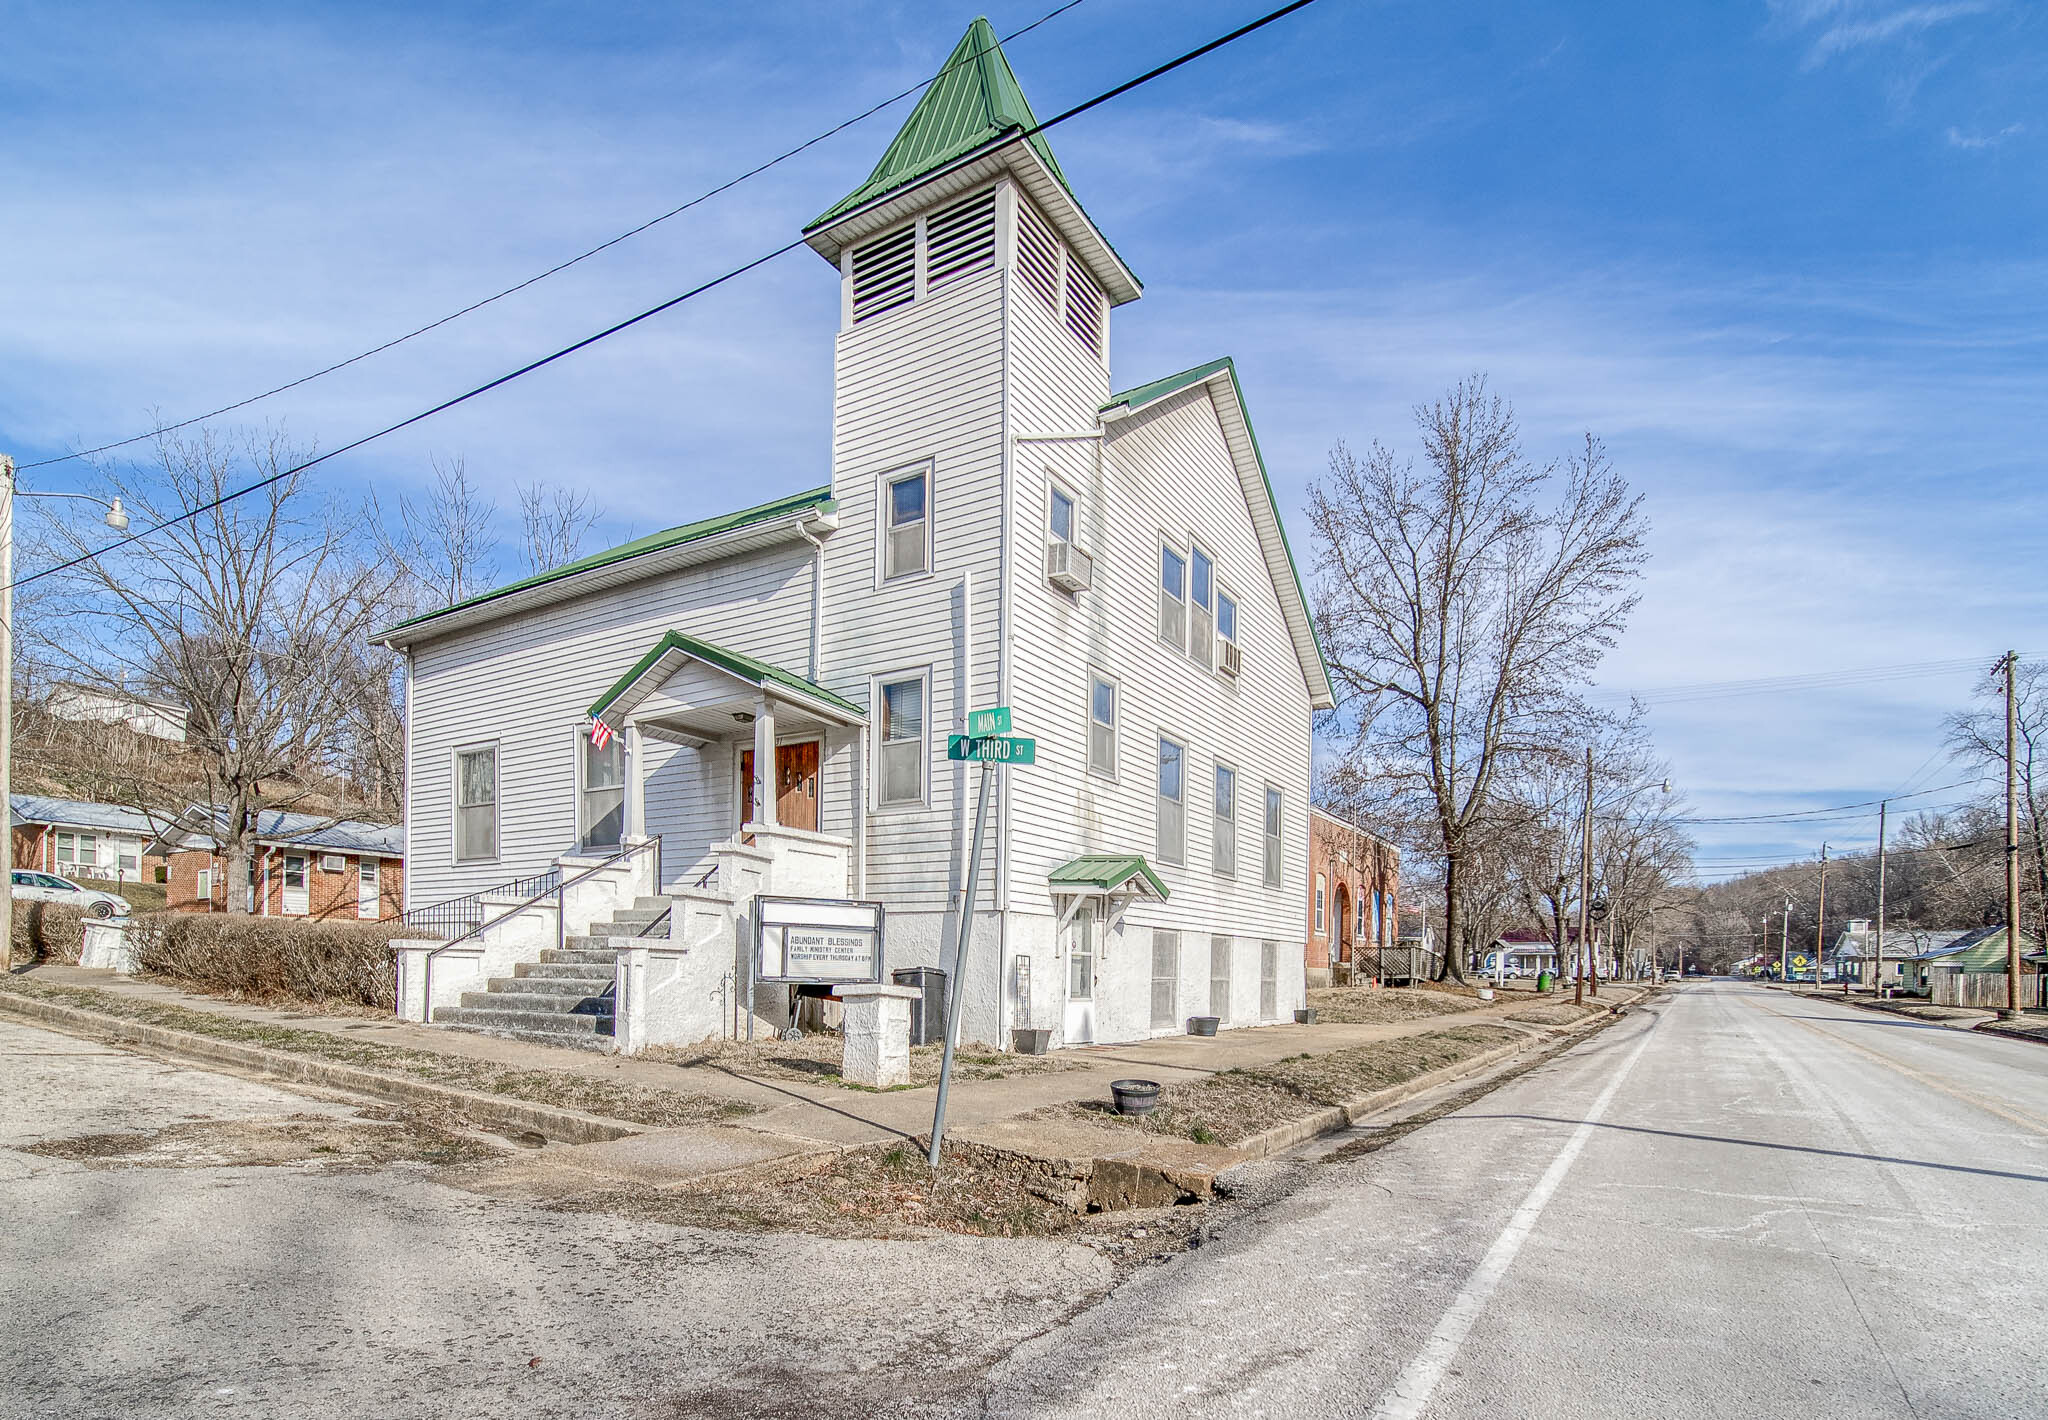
[1984,989]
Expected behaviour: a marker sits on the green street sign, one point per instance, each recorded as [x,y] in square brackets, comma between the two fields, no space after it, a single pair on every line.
[982,723]
[992,749]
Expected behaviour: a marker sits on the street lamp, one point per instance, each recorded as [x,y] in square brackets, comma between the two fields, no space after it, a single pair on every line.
[117,519]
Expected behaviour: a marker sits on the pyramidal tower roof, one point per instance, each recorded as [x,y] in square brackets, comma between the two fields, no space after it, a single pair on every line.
[974,100]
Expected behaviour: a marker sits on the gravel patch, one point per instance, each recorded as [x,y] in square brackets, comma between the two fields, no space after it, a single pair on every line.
[300,1139]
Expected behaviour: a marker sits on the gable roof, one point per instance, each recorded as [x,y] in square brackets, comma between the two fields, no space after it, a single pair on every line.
[656,552]
[1227,395]
[201,826]
[1107,872]
[974,100]
[80,813]
[675,647]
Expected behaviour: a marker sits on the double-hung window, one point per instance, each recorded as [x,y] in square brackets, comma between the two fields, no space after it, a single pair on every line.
[1319,904]
[476,803]
[1059,523]
[902,742]
[1173,598]
[604,793]
[1226,620]
[1223,834]
[1272,853]
[67,852]
[1269,980]
[1101,726]
[1202,615]
[1173,802]
[906,509]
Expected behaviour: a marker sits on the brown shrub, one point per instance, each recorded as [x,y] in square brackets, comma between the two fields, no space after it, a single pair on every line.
[272,958]
[48,931]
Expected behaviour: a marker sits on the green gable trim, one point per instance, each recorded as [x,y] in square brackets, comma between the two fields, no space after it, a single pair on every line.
[1105,872]
[1136,399]
[819,499]
[737,663]
[974,100]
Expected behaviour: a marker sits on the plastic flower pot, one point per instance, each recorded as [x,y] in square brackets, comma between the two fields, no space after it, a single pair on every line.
[1203,1025]
[1306,1016]
[1134,1096]
[1030,1041]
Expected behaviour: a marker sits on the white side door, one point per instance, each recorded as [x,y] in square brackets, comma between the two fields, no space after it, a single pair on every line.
[1080,1017]
[369,890]
[297,901]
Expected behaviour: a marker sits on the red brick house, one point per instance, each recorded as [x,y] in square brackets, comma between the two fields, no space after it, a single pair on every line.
[1354,880]
[305,866]
[76,839]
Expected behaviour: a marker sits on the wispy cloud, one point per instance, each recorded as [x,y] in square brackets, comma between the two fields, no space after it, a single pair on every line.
[1959,139]
[1851,26]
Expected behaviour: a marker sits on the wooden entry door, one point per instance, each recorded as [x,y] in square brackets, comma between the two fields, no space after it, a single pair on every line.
[796,785]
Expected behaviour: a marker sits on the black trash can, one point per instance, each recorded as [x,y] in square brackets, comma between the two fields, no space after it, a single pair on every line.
[927,1016]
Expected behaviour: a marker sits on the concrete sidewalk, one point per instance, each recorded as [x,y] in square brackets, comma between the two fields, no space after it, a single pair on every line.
[797,1118]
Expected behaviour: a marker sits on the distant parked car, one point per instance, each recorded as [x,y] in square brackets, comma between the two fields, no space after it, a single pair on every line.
[48,887]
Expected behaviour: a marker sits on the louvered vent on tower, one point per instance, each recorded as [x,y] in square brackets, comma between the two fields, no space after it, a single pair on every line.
[1038,255]
[1084,308]
[960,240]
[885,274]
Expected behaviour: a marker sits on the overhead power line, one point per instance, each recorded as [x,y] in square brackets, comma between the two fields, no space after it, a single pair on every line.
[1078,109]
[559,267]
[1791,815]
[1778,685]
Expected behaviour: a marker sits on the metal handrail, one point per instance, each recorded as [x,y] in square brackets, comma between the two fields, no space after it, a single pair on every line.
[558,890]
[465,912]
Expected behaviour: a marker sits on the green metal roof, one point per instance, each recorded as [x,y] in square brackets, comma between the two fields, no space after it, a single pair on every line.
[738,663]
[1106,872]
[818,498]
[1136,399]
[974,100]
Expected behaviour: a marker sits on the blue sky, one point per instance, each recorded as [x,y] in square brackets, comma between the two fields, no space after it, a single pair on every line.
[1784,256]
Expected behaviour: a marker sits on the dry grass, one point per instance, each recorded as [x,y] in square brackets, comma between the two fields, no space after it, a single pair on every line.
[1372,1005]
[342,1144]
[816,1058]
[883,1191]
[566,1089]
[1555,1013]
[1232,1106]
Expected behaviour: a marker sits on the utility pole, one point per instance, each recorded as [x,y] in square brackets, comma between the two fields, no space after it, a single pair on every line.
[1585,889]
[2012,844]
[1820,916]
[1784,942]
[1877,981]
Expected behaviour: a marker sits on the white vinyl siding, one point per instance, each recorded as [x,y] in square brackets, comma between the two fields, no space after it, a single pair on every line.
[902,749]
[476,803]
[1171,829]
[1165,979]
[1102,726]
[1270,860]
[1223,828]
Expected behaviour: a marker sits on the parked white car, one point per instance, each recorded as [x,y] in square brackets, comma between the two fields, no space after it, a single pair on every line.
[48,887]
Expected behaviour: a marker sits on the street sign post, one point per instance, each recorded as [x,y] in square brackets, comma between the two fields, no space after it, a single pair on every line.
[992,749]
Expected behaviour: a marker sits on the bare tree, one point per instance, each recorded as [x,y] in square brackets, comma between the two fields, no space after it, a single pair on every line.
[444,542]
[1977,738]
[1459,615]
[250,613]
[554,522]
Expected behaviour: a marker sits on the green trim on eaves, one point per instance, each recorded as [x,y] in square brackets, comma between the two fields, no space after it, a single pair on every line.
[818,498]
[738,663]
[1136,399]
[1106,872]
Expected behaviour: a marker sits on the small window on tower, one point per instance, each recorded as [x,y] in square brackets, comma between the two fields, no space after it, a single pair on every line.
[906,543]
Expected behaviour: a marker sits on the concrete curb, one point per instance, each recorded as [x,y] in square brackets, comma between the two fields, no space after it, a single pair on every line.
[495,1112]
[1343,1116]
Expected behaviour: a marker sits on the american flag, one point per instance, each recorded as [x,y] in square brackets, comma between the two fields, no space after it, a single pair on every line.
[600,734]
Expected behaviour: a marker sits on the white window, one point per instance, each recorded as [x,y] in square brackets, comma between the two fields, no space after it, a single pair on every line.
[1059,523]
[1223,838]
[1269,980]
[1226,617]
[1165,979]
[906,542]
[1101,726]
[903,751]
[1319,904]
[202,890]
[1272,855]
[67,851]
[1173,805]
[476,804]
[1202,597]
[602,813]
[1219,978]
[1173,598]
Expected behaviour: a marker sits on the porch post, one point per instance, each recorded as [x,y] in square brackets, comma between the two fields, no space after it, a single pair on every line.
[764,762]
[635,777]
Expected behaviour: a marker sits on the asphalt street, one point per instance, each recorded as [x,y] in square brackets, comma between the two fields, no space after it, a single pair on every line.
[1733,1203]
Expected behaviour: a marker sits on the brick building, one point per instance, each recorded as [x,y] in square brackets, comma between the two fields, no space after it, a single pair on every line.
[305,866]
[1353,899]
[76,839]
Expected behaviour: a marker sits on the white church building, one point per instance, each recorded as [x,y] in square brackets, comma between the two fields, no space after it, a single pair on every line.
[759,702]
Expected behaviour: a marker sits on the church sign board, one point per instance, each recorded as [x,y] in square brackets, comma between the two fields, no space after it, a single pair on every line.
[817,940]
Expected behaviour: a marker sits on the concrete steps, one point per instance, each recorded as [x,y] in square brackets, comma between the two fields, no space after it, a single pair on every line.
[565,997]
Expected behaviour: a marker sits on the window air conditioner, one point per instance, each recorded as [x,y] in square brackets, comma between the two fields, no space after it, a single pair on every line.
[333,863]
[1229,659]
[1068,567]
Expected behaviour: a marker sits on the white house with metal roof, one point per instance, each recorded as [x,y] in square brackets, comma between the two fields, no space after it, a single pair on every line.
[761,701]
[80,839]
